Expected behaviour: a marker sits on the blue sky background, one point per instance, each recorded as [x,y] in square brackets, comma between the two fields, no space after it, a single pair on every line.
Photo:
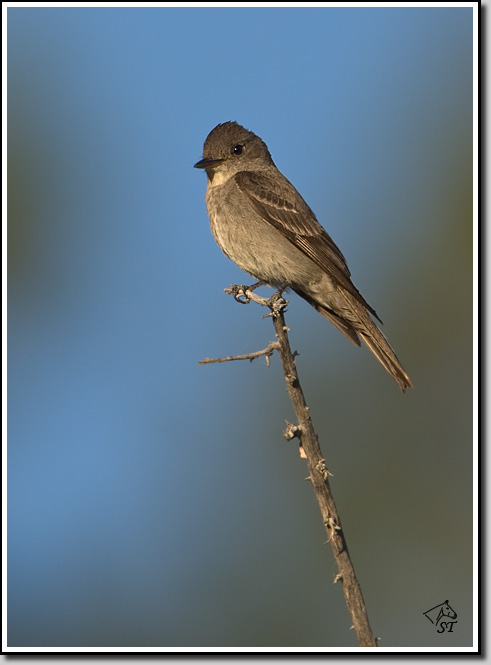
[152,501]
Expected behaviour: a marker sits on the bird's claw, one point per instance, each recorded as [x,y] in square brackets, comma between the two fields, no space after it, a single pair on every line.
[276,303]
[239,293]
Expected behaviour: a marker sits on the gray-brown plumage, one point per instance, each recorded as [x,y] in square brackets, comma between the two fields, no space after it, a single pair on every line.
[262,223]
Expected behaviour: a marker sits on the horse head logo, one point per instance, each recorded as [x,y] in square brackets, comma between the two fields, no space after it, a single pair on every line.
[437,613]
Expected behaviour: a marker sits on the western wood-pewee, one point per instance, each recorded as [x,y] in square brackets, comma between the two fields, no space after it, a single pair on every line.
[261,222]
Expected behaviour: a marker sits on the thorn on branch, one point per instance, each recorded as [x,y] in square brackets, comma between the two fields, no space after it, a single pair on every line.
[322,469]
[332,526]
[292,431]
[292,379]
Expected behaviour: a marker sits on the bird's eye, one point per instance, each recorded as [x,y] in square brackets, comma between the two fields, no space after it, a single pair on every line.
[238,149]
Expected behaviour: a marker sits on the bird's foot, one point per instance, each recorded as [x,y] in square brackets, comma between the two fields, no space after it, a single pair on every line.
[239,291]
[277,303]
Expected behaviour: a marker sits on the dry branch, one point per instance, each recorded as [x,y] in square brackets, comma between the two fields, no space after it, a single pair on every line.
[319,474]
[268,352]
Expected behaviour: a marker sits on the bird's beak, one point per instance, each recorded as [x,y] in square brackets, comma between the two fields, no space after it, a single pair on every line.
[208,163]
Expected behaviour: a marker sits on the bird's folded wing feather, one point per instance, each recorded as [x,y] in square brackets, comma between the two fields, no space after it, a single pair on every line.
[290,215]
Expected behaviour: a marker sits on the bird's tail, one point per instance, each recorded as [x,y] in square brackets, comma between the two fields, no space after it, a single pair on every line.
[361,325]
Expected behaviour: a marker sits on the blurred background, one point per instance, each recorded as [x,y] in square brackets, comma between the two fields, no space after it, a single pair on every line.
[153,502]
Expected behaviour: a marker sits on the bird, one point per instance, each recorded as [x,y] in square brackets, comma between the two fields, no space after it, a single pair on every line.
[261,222]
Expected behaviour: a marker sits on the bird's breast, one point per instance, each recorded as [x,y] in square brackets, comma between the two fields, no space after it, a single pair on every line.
[252,242]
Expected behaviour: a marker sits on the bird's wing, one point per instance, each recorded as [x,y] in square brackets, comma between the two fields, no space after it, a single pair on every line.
[290,215]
